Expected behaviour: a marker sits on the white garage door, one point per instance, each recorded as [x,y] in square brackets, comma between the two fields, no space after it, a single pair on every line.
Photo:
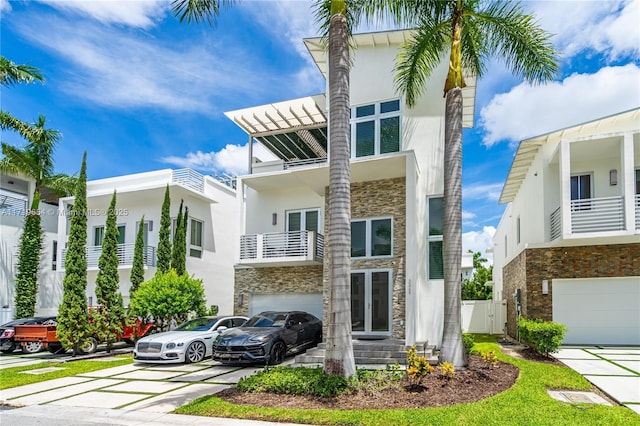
[598,310]
[308,302]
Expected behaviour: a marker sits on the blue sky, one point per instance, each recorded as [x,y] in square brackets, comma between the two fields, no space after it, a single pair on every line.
[140,92]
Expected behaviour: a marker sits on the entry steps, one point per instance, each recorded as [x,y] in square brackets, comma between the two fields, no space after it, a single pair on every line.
[371,353]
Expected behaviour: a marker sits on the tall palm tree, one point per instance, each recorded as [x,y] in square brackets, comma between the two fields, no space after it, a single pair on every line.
[470,32]
[11,73]
[35,160]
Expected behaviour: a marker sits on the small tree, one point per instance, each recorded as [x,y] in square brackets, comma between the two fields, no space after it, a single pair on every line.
[108,320]
[168,297]
[73,321]
[476,288]
[179,252]
[28,264]
[164,236]
[137,269]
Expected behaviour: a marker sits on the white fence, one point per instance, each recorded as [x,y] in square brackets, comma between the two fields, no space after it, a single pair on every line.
[484,316]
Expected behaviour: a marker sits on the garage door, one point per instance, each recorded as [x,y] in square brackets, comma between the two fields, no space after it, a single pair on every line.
[308,302]
[598,310]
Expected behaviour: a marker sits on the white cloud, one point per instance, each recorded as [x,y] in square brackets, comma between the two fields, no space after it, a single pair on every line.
[133,13]
[482,191]
[232,159]
[479,241]
[609,27]
[527,111]
[467,215]
[5,6]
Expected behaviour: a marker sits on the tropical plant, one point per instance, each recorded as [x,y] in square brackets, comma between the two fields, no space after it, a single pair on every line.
[137,267]
[11,73]
[109,321]
[73,321]
[179,249]
[28,265]
[168,297]
[470,32]
[164,236]
[476,288]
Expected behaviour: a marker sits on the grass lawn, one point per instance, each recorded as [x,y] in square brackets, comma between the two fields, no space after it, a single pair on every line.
[12,377]
[526,403]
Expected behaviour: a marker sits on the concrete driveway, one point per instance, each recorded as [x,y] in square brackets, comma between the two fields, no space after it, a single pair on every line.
[613,369]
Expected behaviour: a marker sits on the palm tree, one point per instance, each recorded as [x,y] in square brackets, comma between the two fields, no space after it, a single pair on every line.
[36,159]
[470,32]
[11,74]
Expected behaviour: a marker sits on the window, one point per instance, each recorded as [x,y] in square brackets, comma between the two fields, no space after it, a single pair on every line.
[98,235]
[299,220]
[371,237]
[54,256]
[581,187]
[505,246]
[375,129]
[436,267]
[518,230]
[195,247]
[637,181]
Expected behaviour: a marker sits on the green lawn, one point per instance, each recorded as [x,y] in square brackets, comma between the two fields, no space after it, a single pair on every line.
[526,403]
[12,377]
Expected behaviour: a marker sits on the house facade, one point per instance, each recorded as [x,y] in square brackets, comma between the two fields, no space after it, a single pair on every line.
[396,200]
[212,233]
[568,246]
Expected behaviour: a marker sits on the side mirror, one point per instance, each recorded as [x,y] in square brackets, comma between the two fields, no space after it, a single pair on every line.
[221,329]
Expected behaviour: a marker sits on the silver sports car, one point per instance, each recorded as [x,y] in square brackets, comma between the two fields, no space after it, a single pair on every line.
[190,342]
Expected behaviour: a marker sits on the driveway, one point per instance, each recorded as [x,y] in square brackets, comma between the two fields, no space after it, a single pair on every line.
[614,370]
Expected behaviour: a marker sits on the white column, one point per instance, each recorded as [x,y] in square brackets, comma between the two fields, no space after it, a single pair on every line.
[565,187]
[240,194]
[628,182]
[250,150]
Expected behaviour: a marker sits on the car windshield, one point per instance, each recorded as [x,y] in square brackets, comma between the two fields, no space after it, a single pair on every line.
[198,324]
[272,319]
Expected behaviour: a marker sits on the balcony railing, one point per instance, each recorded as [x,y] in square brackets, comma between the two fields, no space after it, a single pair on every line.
[597,214]
[556,224]
[281,248]
[125,255]
[13,206]
[297,163]
[638,211]
[190,179]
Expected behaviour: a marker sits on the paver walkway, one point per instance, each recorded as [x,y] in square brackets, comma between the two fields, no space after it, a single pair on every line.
[615,370]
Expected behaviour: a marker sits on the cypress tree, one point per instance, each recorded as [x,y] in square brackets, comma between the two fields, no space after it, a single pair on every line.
[109,320]
[28,263]
[73,321]
[164,236]
[137,269]
[179,253]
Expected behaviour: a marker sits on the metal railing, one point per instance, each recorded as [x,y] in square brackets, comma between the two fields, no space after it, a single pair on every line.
[13,206]
[638,211]
[597,214]
[125,255]
[297,163]
[556,224]
[295,245]
[190,179]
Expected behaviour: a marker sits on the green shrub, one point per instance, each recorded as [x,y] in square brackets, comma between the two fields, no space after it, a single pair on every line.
[373,381]
[468,341]
[294,381]
[544,337]
[417,366]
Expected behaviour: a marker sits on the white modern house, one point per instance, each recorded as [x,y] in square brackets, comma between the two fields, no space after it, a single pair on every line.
[212,233]
[568,246]
[396,199]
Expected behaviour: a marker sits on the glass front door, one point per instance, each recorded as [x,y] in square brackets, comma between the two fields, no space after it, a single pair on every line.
[371,302]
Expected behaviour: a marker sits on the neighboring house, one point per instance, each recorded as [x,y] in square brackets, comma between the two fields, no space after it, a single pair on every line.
[466,270]
[396,200]
[211,233]
[568,246]
[16,195]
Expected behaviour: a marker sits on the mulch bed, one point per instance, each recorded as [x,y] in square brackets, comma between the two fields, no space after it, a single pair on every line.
[473,384]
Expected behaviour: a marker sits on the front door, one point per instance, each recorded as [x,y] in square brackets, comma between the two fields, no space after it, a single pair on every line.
[371,302]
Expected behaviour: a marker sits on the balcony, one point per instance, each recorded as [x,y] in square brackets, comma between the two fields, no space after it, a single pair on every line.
[12,206]
[593,215]
[282,249]
[125,256]
[189,178]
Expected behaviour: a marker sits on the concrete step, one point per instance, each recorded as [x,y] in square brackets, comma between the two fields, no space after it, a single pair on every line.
[369,354]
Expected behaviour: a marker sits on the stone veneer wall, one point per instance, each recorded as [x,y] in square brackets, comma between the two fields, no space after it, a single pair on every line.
[291,279]
[532,266]
[379,199]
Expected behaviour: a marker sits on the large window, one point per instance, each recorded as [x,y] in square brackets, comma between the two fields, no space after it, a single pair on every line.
[375,128]
[581,187]
[303,220]
[195,243]
[98,235]
[436,269]
[371,237]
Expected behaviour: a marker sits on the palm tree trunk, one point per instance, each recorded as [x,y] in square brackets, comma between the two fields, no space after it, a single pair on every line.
[339,358]
[452,347]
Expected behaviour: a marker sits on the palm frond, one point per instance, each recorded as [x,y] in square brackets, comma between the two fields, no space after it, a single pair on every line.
[513,36]
[420,56]
[12,74]
[198,11]
[61,184]
[17,160]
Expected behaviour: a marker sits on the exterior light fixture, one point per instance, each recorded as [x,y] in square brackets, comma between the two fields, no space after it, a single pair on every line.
[545,287]
[613,177]
[274,219]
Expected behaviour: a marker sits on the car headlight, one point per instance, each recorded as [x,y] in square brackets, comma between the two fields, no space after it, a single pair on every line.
[171,345]
[260,338]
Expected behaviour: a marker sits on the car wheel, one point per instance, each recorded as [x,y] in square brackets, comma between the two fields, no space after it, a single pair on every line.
[8,350]
[195,352]
[278,352]
[89,346]
[318,338]
[32,347]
